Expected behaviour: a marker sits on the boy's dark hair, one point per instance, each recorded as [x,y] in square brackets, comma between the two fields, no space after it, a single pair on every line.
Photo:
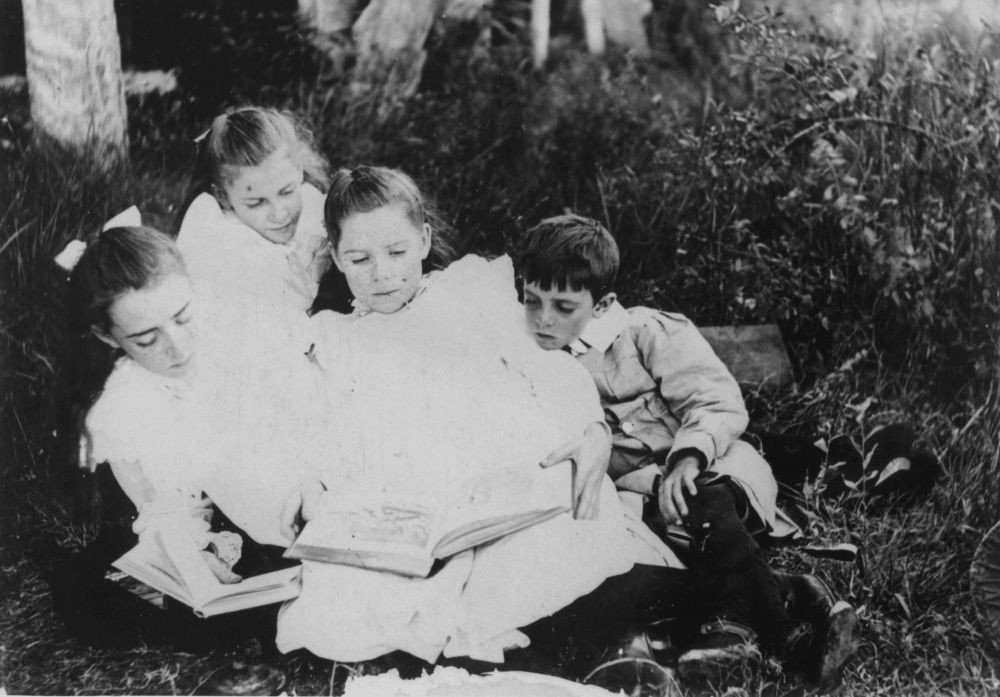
[570,252]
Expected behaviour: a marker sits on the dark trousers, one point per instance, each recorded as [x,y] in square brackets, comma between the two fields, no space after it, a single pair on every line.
[573,640]
[103,614]
[730,576]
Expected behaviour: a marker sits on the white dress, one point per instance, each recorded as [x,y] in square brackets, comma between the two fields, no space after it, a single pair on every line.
[448,386]
[247,276]
[241,429]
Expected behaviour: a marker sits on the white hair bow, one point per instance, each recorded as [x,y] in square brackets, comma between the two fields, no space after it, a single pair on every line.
[69,257]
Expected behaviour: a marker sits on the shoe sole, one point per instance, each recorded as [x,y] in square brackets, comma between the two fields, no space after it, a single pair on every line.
[634,676]
[716,666]
[838,644]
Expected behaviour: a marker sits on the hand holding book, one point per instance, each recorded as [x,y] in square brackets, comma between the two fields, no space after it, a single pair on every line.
[589,454]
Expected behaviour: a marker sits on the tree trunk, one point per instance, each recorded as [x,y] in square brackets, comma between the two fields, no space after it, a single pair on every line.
[327,17]
[540,25]
[464,10]
[593,25]
[389,37]
[74,71]
[623,22]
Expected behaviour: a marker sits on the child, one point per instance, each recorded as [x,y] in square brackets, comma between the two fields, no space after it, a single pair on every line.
[676,415]
[253,232]
[172,424]
[435,387]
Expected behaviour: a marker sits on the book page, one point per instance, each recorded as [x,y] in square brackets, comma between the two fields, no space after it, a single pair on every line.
[510,493]
[202,585]
[147,563]
[398,529]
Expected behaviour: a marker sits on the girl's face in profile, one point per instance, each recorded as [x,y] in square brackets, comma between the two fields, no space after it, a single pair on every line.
[153,326]
[268,197]
[380,254]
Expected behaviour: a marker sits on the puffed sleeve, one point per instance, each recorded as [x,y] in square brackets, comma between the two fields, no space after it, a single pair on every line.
[128,431]
[111,422]
[695,385]
[573,401]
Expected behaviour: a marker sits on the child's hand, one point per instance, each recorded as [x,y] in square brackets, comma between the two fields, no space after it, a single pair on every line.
[590,454]
[672,488]
[221,571]
[300,507]
[321,262]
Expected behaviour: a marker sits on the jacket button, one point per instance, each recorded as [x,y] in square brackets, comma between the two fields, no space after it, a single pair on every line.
[627,427]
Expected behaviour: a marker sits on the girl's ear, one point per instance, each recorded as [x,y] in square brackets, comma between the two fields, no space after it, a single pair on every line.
[603,303]
[425,242]
[104,336]
[336,259]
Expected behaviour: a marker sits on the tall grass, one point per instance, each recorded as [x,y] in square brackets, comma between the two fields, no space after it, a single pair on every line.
[851,198]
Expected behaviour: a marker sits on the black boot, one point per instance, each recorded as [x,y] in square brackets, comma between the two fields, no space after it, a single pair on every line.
[833,623]
[740,591]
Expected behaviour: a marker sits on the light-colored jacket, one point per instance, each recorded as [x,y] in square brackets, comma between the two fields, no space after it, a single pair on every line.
[663,389]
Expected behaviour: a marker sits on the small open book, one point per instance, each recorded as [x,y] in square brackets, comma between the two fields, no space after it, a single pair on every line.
[169,563]
[406,537]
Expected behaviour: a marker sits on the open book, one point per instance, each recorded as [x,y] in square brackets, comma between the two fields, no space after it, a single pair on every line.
[169,563]
[406,537]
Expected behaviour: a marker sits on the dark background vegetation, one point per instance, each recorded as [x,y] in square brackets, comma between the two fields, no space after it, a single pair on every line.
[751,171]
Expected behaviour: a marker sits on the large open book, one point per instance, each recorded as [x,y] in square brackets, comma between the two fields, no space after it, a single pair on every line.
[169,563]
[406,537]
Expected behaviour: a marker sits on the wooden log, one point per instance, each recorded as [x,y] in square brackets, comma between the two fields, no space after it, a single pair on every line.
[754,354]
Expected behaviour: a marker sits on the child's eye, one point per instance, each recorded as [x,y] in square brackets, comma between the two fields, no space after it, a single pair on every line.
[397,252]
[183,319]
[565,309]
[254,204]
[531,302]
[359,260]
[146,343]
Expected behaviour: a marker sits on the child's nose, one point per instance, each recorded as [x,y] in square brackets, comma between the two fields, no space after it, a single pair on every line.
[545,317]
[180,343]
[381,268]
[280,212]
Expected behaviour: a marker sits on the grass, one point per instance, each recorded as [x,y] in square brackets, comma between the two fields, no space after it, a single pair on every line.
[849,198]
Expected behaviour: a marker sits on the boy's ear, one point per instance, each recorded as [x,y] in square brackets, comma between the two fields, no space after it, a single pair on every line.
[603,303]
[104,336]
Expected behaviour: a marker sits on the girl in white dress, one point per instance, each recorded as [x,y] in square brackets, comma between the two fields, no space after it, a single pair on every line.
[253,233]
[436,381]
[184,422]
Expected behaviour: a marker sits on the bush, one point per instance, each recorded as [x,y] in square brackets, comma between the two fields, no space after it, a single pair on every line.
[846,197]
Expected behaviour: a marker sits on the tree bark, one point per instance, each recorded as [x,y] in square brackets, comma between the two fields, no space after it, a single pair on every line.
[74,72]
[327,17]
[623,22]
[389,37]
[540,25]
[593,25]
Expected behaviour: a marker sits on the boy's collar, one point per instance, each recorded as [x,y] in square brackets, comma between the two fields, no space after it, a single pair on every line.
[602,331]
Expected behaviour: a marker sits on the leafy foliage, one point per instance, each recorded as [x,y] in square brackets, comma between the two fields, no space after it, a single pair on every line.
[851,197]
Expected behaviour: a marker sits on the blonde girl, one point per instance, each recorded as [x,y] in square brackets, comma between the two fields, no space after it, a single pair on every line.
[253,231]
